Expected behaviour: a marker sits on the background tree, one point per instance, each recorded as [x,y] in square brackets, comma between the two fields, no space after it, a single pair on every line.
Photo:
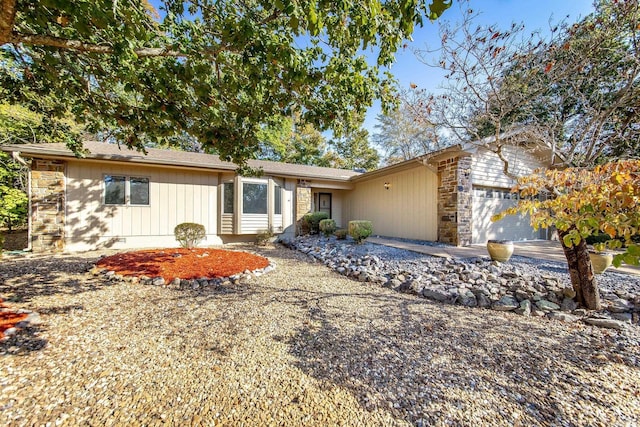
[583,202]
[575,92]
[406,131]
[287,139]
[211,69]
[353,151]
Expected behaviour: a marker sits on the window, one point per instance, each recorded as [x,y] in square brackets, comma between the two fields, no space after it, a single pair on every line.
[114,190]
[277,200]
[227,194]
[122,190]
[139,189]
[254,198]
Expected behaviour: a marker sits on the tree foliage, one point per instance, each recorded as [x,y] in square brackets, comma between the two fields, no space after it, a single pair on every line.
[211,69]
[406,131]
[353,151]
[575,92]
[584,202]
[289,140]
[13,207]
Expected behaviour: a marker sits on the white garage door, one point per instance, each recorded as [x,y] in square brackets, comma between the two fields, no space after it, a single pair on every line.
[490,201]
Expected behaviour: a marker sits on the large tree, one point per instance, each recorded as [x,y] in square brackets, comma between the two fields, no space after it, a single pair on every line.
[353,151]
[406,131]
[575,91]
[211,69]
[585,202]
[289,140]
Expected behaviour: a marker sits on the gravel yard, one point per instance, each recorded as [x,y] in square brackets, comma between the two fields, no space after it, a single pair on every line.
[300,345]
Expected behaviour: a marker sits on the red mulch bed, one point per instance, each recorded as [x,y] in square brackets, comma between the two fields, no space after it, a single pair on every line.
[182,263]
[8,319]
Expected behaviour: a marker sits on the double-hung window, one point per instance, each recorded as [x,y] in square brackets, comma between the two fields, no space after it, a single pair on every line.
[126,190]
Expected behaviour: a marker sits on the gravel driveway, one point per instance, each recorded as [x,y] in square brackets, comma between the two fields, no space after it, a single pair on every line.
[298,346]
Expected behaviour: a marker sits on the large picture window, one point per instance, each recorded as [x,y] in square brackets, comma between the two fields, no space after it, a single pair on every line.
[254,198]
[123,190]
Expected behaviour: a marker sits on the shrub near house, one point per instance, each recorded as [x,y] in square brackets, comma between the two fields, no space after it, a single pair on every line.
[327,226]
[360,230]
[311,221]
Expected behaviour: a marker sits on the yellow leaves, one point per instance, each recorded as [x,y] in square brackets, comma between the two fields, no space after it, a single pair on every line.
[602,199]
[610,230]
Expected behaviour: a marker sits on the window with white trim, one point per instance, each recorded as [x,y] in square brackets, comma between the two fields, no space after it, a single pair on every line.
[227,196]
[126,190]
[254,198]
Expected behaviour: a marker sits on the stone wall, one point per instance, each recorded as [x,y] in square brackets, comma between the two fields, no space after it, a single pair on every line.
[303,203]
[47,205]
[455,201]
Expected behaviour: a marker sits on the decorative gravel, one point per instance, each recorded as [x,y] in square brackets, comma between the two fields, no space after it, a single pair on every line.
[300,345]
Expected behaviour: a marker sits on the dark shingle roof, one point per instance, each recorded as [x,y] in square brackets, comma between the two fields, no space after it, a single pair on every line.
[113,152]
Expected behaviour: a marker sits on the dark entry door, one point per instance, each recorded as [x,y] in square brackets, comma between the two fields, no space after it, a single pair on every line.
[324,203]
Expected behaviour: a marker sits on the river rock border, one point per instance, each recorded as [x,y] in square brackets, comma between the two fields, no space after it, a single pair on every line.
[193,284]
[474,282]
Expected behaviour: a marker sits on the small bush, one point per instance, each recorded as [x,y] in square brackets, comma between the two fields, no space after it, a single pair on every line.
[189,234]
[327,226]
[360,230]
[341,233]
[263,237]
[312,221]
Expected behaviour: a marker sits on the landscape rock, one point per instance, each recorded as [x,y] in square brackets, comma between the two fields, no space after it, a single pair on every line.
[525,308]
[506,303]
[472,282]
[605,323]
[546,305]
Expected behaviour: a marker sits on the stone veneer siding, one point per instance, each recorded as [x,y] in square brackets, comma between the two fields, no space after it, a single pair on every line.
[47,209]
[303,203]
[455,201]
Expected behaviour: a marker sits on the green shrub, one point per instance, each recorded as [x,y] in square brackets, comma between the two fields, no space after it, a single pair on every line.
[189,234]
[312,221]
[341,233]
[360,230]
[263,237]
[327,226]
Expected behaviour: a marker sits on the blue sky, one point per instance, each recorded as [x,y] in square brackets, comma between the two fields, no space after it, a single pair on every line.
[535,14]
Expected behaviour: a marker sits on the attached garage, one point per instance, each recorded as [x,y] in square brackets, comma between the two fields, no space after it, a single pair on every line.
[491,194]
[489,201]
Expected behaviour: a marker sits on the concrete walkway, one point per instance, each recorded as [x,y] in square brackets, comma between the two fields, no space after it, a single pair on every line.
[549,250]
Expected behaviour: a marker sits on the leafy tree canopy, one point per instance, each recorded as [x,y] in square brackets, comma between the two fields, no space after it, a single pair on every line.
[209,69]
[353,151]
[289,140]
[584,202]
[576,92]
[406,131]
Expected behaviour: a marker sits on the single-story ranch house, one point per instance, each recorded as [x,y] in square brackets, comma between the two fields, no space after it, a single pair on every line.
[119,198]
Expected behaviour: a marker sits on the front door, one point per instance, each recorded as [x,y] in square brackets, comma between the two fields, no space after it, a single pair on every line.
[324,203]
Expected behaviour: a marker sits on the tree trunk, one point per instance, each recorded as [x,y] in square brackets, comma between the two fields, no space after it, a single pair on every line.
[581,273]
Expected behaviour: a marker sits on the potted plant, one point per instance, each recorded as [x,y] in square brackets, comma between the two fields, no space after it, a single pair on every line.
[500,250]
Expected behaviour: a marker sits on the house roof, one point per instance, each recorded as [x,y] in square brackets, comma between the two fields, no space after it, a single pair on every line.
[423,160]
[113,152]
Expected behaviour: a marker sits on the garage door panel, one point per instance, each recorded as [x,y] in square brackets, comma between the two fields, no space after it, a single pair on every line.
[486,203]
